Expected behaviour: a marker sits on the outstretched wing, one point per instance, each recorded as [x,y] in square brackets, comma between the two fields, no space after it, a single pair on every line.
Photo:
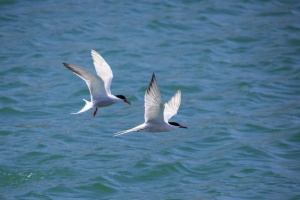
[171,107]
[103,70]
[94,83]
[153,103]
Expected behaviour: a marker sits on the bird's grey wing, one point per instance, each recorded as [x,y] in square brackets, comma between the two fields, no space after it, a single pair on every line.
[153,103]
[103,70]
[172,106]
[94,83]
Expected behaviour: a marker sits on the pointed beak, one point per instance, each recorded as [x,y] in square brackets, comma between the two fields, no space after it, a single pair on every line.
[182,127]
[126,101]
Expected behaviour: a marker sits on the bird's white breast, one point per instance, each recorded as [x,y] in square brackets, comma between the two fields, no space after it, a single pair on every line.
[159,127]
[104,102]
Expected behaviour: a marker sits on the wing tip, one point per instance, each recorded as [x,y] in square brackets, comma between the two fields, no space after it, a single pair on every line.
[68,66]
[73,68]
[179,92]
[97,58]
[153,79]
[93,51]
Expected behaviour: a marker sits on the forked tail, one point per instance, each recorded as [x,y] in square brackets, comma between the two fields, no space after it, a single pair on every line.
[88,105]
[135,129]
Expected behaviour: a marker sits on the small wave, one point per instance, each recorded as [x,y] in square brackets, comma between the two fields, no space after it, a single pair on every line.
[11,111]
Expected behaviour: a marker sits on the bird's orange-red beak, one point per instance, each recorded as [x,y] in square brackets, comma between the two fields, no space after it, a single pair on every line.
[182,127]
[126,101]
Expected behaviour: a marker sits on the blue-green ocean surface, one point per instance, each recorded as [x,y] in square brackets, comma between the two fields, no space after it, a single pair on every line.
[237,64]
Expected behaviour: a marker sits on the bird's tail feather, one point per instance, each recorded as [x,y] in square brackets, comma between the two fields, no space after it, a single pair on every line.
[135,129]
[88,105]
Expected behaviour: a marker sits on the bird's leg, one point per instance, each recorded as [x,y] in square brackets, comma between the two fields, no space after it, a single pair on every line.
[95,112]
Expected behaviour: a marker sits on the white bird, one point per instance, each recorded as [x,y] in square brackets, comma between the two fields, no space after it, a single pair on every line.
[99,86]
[157,115]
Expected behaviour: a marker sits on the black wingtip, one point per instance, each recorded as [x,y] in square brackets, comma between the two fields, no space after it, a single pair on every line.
[72,68]
[153,78]
[68,66]
[151,82]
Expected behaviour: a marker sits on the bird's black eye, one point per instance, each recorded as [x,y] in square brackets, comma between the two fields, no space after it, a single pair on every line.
[174,123]
[120,96]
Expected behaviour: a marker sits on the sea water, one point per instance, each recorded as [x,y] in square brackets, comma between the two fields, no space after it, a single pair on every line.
[235,62]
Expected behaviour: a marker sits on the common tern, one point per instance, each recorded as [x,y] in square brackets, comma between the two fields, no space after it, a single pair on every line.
[99,85]
[157,114]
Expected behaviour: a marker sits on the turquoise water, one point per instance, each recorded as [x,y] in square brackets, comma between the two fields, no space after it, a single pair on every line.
[236,63]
